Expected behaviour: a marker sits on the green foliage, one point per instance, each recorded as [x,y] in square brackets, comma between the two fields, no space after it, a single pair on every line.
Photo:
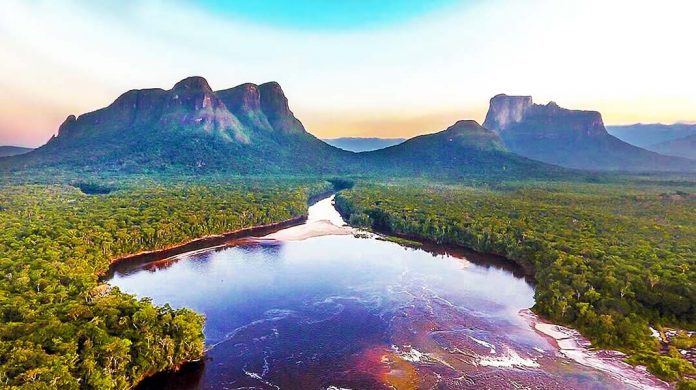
[402,241]
[607,259]
[669,367]
[683,341]
[687,384]
[59,326]
[90,188]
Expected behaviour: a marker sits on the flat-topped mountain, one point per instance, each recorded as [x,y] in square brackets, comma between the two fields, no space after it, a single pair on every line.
[570,138]
[245,129]
[250,129]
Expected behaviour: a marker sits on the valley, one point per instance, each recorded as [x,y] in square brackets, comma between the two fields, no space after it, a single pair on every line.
[338,307]
[347,195]
[604,247]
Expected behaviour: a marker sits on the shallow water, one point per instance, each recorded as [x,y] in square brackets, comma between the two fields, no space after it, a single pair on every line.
[354,312]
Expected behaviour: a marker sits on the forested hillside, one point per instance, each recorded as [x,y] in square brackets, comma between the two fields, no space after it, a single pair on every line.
[608,259]
[249,129]
[6,151]
[59,327]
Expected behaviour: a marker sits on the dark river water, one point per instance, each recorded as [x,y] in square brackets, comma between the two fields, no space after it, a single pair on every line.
[352,311]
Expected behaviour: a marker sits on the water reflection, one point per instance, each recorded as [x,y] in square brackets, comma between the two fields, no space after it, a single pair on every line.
[354,312]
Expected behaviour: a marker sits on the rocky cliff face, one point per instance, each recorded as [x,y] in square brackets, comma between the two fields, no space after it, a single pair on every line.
[233,115]
[190,125]
[244,101]
[570,138]
[506,109]
[250,129]
[275,105]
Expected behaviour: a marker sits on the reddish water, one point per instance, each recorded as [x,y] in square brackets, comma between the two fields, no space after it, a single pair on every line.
[347,312]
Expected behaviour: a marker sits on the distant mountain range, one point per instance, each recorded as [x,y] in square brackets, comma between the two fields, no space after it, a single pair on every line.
[570,138]
[648,135]
[673,140]
[681,147]
[249,129]
[6,151]
[358,144]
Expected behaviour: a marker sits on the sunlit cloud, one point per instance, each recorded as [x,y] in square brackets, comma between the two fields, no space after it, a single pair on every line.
[631,60]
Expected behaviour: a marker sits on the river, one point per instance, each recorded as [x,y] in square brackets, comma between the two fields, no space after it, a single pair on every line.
[321,306]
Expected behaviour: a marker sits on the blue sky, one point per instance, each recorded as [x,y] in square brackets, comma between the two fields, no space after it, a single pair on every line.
[351,68]
[329,15]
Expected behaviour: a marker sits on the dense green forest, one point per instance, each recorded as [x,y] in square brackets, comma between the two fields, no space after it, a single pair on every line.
[608,259]
[59,327]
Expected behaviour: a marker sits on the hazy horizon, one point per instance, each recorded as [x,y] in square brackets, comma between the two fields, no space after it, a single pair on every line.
[391,69]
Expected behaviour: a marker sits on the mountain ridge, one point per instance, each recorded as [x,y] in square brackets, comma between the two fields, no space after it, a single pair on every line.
[571,138]
[645,135]
[680,147]
[250,129]
[362,144]
[188,125]
[10,150]
[463,144]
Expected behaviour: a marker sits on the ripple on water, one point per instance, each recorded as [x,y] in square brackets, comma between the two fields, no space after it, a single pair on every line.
[342,312]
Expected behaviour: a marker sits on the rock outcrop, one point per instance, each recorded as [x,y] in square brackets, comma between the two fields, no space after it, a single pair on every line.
[570,138]
[243,128]
[250,129]
[506,109]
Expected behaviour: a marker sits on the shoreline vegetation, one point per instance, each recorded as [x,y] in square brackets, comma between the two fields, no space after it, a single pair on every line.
[116,341]
[421,214]
[201,243]
[61,327]
[568,341]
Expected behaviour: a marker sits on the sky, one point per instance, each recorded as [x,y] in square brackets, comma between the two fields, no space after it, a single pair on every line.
[383,68]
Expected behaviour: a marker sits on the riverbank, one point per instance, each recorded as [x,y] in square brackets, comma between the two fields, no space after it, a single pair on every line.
[201,243]
[572,345]
[322,220]
[568,342]
[446,247]
[213,240]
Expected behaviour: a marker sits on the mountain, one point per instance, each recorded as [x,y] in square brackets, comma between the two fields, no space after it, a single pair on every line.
[250,129]
[357,144]
[6,151]
[245,129]
[464,149]
[647,135]
[680,147]
[570,138]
